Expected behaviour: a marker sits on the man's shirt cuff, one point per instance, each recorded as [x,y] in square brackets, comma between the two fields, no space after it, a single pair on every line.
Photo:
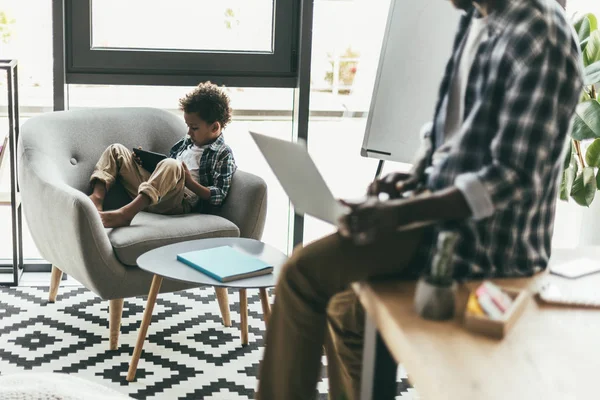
[475,194]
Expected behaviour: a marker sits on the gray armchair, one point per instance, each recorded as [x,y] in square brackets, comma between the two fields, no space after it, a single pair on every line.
[57,153]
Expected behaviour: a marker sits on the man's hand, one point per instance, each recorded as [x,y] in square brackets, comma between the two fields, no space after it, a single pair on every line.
[137,160]
[188,175]
[368,221]
[393,184]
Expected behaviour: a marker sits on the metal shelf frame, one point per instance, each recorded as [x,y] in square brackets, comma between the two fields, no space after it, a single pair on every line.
[13,198]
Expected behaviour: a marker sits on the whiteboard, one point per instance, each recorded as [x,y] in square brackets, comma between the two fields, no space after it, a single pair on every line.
[416,48]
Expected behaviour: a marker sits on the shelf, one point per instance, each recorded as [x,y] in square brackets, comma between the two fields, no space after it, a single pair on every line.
[5,199]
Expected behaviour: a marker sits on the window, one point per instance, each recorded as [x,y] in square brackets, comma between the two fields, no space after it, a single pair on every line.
[583,6]
[180,42]
[231,25]
[344,66]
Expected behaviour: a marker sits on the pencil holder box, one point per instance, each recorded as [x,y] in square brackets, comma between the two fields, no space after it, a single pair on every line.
[498,328]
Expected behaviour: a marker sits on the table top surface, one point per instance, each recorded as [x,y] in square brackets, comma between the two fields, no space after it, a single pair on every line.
[552,352]
[163,261]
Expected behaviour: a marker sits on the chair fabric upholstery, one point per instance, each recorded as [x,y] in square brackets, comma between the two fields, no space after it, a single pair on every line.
[149,231]
[57,153]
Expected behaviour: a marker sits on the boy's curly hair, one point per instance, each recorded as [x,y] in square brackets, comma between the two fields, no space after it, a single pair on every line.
[209,101]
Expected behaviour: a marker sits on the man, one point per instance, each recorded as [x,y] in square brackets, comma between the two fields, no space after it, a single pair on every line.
[492,167]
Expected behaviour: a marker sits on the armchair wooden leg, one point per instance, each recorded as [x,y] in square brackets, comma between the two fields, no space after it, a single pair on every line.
[55,278]
[223,300]
[244,316]
[115,309]
[139,344]
[264,301]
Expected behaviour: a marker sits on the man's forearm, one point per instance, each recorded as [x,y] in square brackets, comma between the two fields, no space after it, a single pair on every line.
[201,191]
[447,204]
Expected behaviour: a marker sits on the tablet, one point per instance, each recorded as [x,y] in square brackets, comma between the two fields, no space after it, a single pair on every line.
[149,159]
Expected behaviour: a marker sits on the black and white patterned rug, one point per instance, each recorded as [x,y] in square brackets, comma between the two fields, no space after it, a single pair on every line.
[188,354]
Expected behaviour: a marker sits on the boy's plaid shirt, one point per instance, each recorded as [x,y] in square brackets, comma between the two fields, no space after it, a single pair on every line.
[523,87]
[217,167]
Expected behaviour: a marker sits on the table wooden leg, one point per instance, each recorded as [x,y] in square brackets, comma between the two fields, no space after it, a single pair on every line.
[244,316]
[264,301]
[223,300]
[137,352]
[379,369]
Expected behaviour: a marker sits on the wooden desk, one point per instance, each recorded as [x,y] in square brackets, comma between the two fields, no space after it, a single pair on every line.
[553,352]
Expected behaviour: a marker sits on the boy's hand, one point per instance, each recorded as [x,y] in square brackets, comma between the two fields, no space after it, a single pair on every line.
[136,158]
[188,175]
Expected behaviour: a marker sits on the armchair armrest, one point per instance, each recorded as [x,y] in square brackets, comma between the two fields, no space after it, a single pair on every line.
[246,204]
[56,212]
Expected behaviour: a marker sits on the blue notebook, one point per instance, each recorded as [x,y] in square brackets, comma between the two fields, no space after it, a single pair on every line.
[225,263]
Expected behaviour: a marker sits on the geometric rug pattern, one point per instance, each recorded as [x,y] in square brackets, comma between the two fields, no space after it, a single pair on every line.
[188,353]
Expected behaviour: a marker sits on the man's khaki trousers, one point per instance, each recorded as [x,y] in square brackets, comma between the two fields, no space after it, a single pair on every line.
[165,187]
[315,307]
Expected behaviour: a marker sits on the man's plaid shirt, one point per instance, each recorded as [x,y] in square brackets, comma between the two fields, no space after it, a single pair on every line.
[522,91]
[216,170]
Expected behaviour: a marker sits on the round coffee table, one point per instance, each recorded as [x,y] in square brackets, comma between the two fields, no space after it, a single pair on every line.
[162,262]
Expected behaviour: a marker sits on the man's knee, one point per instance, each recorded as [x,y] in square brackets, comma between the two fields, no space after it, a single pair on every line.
[289,271]
[298,274]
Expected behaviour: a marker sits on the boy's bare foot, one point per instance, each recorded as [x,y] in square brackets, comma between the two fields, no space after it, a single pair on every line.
[97,202]
[114,219]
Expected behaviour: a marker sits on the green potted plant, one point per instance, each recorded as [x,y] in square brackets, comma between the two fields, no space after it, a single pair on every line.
[581,178]
[436,291]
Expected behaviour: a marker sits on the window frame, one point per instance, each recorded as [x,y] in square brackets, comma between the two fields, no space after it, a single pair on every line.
[85,64]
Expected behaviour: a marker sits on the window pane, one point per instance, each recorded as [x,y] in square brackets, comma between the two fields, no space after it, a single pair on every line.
[583,6]
[227,25]
[25,35]
[344,66]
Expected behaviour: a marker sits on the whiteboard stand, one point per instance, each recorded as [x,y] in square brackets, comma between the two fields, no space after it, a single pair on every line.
[379,169]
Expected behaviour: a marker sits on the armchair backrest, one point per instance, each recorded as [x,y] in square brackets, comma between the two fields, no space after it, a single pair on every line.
[75,139]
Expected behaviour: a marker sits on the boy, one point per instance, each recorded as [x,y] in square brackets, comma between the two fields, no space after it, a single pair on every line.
[196,175]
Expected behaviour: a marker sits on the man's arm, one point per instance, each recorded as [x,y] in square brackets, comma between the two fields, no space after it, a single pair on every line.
[527,128]
[528,132]
[373,218]
[443,205]
[396,183]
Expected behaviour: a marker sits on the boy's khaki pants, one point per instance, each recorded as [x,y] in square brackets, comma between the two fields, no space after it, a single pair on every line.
[165,187]
[315,307]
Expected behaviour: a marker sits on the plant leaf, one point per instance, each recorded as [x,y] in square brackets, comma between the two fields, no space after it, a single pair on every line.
[592,154]
[586,122]
[567,183]
[584,187]
[583,26]
[592,50]
[568,154]
[593,22]
[592,73]
[598,180]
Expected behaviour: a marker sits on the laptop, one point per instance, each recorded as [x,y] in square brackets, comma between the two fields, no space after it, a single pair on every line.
[303,182]
[300,178]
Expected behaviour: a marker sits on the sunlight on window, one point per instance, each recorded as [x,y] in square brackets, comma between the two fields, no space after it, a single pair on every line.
[229,25]
[583,7]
